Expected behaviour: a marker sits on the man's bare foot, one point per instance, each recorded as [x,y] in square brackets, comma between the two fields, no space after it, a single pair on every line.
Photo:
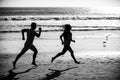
[77,62]
[34,64]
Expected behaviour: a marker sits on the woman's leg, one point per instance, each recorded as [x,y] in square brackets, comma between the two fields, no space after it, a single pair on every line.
[72,55]
[59,54]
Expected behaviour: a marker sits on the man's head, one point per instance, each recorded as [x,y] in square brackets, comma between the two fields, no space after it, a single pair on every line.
[33,25]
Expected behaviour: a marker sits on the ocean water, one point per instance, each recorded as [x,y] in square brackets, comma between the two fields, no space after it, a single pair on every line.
[53,19]
[87,27]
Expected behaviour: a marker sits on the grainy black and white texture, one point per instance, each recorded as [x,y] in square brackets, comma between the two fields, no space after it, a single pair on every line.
[97,46]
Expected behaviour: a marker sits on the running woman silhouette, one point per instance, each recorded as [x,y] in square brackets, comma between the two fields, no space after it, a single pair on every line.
[66,38]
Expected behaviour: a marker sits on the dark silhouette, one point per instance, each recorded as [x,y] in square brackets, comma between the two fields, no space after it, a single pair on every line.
[29,43]
[67,35]
[55,73]
[12,74]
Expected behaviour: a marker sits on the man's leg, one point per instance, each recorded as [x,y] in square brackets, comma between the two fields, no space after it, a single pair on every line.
[72,55]
[34,55]
[59,54]
[19,55]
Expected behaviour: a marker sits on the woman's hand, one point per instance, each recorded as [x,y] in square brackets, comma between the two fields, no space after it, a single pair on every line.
[73,41]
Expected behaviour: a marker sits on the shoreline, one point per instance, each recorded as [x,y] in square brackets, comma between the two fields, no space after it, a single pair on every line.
[96,41]
[62,30]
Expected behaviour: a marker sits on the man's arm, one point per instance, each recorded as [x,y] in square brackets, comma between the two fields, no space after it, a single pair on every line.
[38,34]
[61,38]
[23,30]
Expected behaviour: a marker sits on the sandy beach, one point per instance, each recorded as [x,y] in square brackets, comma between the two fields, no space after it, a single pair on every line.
[99,57]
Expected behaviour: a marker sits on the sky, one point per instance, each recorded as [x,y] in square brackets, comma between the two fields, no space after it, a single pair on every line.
[103,5]
[59,3]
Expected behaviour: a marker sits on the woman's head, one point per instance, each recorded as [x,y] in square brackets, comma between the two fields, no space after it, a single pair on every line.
[33,25]
[67,27]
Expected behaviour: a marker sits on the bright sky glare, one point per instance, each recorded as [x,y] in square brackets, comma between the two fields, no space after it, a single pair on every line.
[59,3]
[106,6]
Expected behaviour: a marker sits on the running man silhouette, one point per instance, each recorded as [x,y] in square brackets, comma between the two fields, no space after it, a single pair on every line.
[29,43]
[66,40]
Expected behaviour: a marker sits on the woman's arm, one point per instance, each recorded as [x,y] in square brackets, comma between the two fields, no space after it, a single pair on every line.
[72,39]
